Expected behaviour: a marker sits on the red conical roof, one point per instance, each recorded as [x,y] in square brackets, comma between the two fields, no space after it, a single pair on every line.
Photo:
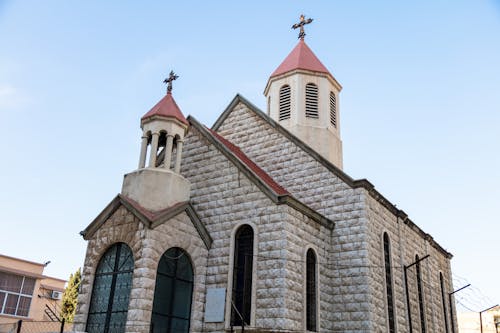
[301,57]
[166,107]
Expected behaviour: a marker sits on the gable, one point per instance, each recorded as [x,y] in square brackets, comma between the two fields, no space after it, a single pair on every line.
[148,218]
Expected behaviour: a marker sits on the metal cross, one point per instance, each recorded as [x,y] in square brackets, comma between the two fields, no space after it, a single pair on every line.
[301,25]
[171,77]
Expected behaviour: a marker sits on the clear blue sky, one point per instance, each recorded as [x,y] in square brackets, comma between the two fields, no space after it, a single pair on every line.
[420,108]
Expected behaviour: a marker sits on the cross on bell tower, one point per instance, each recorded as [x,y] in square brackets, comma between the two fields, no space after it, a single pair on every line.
[171,77]
[301,25]
[160,184]
[302,96]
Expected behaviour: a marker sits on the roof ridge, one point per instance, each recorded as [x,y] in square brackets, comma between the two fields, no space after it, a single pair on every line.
[351,182]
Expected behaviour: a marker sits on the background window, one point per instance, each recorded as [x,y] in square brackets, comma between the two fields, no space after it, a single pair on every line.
[111,291]
[311,291]
[242,276]
[388,283]
[173,293]
[420,297]
[16,292]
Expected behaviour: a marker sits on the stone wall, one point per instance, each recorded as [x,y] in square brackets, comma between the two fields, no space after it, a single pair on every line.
[405,243]
[147,246]
[357,280]
[225,199]
[315,185]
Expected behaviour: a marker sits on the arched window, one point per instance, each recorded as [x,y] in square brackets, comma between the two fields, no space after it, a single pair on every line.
[388,283]
[312,100]
[311,290]
[284,102]
[333,109]
[173,293]
[111,291]
[443,301]
[242,276]
[420,296]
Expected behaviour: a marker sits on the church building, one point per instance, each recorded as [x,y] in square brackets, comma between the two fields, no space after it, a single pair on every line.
[252,225]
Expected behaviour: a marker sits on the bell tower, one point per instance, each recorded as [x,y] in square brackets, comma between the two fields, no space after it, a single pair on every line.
[302,96]
[160,185]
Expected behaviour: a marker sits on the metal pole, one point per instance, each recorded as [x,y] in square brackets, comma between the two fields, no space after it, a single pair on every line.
[62,325]
[481,315]
[19,325]
[408,292]
[481,321]
[451,307]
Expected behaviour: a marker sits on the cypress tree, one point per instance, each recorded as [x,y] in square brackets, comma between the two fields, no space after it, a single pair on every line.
[70,296]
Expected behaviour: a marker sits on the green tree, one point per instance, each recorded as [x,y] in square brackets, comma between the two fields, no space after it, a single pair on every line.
[70,295]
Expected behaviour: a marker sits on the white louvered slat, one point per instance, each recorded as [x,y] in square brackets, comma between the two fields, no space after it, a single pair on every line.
[312,101]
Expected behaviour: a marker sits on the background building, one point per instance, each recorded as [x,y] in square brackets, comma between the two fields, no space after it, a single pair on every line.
[468,322]
[27,294]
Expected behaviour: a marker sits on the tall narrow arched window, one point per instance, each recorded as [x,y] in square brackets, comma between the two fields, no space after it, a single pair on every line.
[173,293]
[242,276]
[111,291]
[388,283]
[312,100]
[443,302]
[333,109]
[311,291]
[420,296]
[285,98]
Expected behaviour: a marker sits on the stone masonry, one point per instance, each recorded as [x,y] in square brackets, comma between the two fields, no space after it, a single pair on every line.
[356,255]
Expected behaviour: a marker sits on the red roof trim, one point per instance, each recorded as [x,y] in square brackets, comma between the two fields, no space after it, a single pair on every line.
[151,215]
[268,180]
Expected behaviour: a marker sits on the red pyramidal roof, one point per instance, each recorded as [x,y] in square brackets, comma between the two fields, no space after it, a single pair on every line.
[166,107]
[301,57]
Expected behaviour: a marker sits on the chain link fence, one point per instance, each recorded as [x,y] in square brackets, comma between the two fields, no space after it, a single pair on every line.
[22,326]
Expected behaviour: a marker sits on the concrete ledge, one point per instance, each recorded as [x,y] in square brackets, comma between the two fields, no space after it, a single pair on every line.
[155,188]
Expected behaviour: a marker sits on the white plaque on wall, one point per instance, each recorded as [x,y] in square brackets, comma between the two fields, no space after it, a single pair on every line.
[214,306]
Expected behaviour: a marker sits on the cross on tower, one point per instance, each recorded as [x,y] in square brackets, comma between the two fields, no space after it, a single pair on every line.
[171,77]
[301,25]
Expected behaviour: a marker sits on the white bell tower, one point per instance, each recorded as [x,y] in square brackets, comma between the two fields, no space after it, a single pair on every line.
[160,185]
[302,96]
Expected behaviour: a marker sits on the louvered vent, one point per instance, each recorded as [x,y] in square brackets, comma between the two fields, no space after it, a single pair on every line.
[333,109]
[311,100]
[284,102]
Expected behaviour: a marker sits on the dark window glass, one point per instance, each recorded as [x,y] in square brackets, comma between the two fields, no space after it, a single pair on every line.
[420,297]
[111,291]
[388,283]
[10,282]
[242,276]
[16,292]
[24,306]
[11,304]
[28,286]
[443,301]
[311,291]
[2,298]
[173,293]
